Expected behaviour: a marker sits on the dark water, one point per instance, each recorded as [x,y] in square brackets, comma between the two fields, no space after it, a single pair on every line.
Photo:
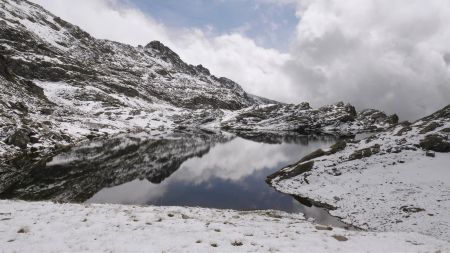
[205,170]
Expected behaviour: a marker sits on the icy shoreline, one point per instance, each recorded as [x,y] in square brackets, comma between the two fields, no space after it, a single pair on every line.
[49,227]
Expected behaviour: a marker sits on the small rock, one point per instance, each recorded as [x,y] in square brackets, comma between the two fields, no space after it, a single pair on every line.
[23,230]
[340,238]
[20,138]
[322,227]
[411,209]
[237,243]
[430,154]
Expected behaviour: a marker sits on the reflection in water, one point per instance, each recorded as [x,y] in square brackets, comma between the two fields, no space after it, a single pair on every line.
[201,169]
[77,175]
[232,175]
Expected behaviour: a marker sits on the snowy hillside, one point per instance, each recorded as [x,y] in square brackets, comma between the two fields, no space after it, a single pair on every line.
[396,180]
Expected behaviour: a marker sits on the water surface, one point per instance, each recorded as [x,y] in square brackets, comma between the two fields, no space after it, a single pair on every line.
[201,169]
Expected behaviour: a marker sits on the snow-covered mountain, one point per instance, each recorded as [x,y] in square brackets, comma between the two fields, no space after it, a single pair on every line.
[59,86]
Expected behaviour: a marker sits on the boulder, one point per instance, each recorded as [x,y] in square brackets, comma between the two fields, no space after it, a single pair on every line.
[435,142]
[20,138]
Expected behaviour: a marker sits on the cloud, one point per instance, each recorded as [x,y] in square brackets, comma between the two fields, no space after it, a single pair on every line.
[389,55]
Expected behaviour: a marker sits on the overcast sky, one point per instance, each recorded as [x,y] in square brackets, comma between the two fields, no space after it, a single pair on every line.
[389,55]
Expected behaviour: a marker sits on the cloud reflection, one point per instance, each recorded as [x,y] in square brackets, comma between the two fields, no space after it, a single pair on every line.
[235,164]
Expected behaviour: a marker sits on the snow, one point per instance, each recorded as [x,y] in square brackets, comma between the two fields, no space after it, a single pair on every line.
[43,31]
[49,227]
[388,191]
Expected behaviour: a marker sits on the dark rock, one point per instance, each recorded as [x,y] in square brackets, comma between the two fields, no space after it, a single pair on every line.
[393,119]
[436,143]
[304,106]
[237,243]
[338,146]
[299,169]
[4,70]
[20,138]
[430,127]
[313,155]
[430,154]
[405,129]
[322,227]
[340,238]
[411,209]
[351,110]
[203,70]
[34,139]
[366,152]
[46,111]
[19,106]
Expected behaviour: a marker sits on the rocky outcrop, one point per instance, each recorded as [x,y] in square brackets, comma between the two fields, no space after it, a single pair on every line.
[20,138]
[340,119]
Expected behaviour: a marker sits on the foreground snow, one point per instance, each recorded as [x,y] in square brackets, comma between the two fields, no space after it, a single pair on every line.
[48,227]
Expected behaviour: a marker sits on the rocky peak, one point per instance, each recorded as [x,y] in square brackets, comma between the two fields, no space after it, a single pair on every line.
[163,51]
[202,70]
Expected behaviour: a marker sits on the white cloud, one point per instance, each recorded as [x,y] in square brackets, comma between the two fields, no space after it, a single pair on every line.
[391,55]
[382,54]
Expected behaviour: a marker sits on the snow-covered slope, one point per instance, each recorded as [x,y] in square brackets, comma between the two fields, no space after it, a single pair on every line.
[398,179]
[48,227]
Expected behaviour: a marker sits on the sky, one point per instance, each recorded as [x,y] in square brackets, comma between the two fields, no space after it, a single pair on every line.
[388,55]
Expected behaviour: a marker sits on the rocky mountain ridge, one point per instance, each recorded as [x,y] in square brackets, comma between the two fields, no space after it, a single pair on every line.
[60,86]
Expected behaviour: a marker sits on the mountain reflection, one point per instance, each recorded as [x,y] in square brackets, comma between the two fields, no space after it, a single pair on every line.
[78,174]
[191,169]
[231,175]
